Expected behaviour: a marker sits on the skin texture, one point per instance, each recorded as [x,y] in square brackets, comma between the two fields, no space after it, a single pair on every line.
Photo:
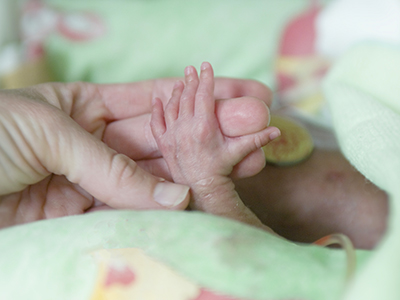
[320,196]
[64,147]
[197,152]
[69,148]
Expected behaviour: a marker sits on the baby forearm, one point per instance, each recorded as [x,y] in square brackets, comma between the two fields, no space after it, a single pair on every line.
[218,196]
[197,152]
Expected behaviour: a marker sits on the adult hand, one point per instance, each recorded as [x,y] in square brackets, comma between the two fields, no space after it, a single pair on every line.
[53,161]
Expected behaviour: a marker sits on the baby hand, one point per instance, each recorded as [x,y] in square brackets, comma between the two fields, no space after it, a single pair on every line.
[189,137]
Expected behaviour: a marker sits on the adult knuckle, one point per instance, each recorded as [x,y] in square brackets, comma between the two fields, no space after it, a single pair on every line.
[123,168]
[258,143]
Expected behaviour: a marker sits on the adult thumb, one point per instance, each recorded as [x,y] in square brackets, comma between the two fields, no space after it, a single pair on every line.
[110,177]
[39,138]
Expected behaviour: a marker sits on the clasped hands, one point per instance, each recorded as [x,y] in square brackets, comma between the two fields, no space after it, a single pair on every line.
[71,148]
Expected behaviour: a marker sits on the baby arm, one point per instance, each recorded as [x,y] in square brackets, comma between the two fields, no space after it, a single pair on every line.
[197,153]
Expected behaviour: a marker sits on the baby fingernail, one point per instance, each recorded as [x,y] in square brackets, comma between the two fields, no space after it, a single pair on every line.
[274,134]
[188,70]
[204,66]
[170,194]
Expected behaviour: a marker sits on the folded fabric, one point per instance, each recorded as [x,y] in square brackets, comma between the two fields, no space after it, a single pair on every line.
[189,255]
[363,91]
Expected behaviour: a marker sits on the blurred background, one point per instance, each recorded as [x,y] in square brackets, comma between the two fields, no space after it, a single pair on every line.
[287,44]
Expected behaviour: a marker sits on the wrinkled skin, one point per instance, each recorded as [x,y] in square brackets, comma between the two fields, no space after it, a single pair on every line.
[197,152]
[70,148]
[303,202]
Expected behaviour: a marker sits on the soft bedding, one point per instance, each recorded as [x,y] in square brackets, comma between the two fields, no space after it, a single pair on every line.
[107,255]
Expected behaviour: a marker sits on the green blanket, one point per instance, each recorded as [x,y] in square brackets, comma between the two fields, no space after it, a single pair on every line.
[51,259]
[363,91]
[154,39]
